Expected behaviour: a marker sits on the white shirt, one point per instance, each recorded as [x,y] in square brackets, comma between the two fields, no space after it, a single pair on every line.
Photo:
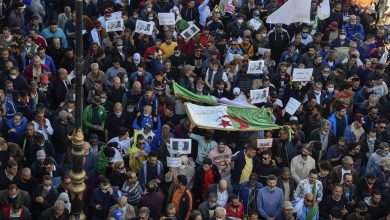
[45,131]
[124,144]
[343,172]
[204,12]
[223,198]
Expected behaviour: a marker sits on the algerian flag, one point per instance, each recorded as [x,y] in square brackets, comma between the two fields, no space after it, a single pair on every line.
[230,118]
[292,11]
[210,100]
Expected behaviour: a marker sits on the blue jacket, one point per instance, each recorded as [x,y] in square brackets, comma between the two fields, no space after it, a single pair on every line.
[333,124]
[152,102]
[243,194]
[143,172]
[239,164]
[9,106]
[141,120]
[47,34]
[148,79]
[352,30]
[305,211]
[20,129]
[50,63]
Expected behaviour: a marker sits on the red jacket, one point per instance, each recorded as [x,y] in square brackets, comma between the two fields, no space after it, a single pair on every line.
[239,213]
[28,71]
[6,213]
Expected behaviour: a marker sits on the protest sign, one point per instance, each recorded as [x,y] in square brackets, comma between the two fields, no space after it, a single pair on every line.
[262,50]
[180,146]
[166,18]
[229,9]
[302,75]
[292,106]
[264,143]
[173,161]
[144,27]
[255,67]
[115,25]
[255,24]
[259,95]
[116,15]
[190,32]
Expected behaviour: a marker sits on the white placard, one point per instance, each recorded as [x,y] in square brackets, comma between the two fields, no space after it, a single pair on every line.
[292,106]
[302,75]
[173,161]
[180,146]
[115,25]
[166,18]
[144,27]
[259,95]
[255,24]
[262,50]
[116,15]
[255,67]
[264,143]
[190,32]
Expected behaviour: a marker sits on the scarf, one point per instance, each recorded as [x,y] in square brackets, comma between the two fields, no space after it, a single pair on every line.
[357,132]
[312,212]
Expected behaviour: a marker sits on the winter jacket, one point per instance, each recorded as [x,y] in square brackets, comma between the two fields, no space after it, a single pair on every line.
[143,172]
[198,181]
[87,117]
[333,122]
[239,164]
[243,195]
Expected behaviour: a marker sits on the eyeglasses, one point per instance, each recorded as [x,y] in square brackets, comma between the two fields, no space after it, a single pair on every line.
[234,44]
[382,127]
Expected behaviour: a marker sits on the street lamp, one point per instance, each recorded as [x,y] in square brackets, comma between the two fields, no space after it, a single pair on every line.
[77,174]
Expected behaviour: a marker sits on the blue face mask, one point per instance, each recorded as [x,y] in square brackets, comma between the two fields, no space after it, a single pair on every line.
[372,139]
[305,35]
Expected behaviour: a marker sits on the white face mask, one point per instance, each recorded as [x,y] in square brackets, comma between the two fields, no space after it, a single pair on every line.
[330,89]
[150,18]
[119,47]
[47,188]
[126,80]
[139,73]
[240,21]
[13,76]
[136,62]
[342,37]
[103,100]
[28,44]
[104,190]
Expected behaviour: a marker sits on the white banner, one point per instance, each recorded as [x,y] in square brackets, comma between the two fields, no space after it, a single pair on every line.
[173,161]
[292,106]
[264,143]
[115,25]
[259,95]
[144,27]
[180,146]
[255,67]
[290,12]
[302,75]
[255,24]
[166,18]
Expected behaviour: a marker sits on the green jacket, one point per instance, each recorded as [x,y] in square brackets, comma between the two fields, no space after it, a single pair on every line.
[87,117]
[101,161]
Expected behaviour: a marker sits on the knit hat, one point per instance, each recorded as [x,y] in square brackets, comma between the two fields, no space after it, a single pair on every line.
[41,155]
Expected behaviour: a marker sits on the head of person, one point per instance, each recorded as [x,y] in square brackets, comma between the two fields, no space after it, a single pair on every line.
[348,180]
[104,185]
[271,182]
[220,213]
[12,167]
[353,149]
[347,163]
[171,210]
[337,191]
[325,168]
[336,214]
[207,163]
[306,151]
[376,197]
[47,182]
[222,186]
[266,158]
[251,150]
[195,215]
[144,213]
[309,199]
[213,198]
[287,210]
[182,181]
[313,176]
[152,158]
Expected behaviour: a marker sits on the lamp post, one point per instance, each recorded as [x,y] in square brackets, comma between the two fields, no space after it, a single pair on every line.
[77,174]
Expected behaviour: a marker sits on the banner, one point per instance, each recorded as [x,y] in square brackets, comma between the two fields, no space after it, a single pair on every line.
[173,161]
[290,12]
[115,25]
[230,118]
[210,100]
[190,32]
[255,67]
[264,143]
[302,75]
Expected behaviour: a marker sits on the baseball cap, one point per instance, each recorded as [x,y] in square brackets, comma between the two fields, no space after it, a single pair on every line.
[362,207]
[287,205]
[44,78]
[107,11]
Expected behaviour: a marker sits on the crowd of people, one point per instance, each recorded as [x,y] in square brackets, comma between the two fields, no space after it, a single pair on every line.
[330,159]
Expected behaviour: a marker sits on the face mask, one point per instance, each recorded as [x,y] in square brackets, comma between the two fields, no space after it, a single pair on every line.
[13,196]
[104,190]
[199,89]
[123,209]
[177,54]
[130,110]
[342,37]
[264,35]
[371,139]
[148,9]
[40,144]
[150,18]
[47,188]
[305,35]
[17,124]
[12,76]
[126,80]
[103,100]
[370,90]
[330,89]
[136,62]
[135,16]
[325,74]
[70,110]
[119,47]
[118,114]
[139,73]
[353,22]
[257,17]
[317,92]
[239,21]
[28,44]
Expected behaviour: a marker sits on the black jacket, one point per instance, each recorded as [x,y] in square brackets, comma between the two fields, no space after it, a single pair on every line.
[198,181]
